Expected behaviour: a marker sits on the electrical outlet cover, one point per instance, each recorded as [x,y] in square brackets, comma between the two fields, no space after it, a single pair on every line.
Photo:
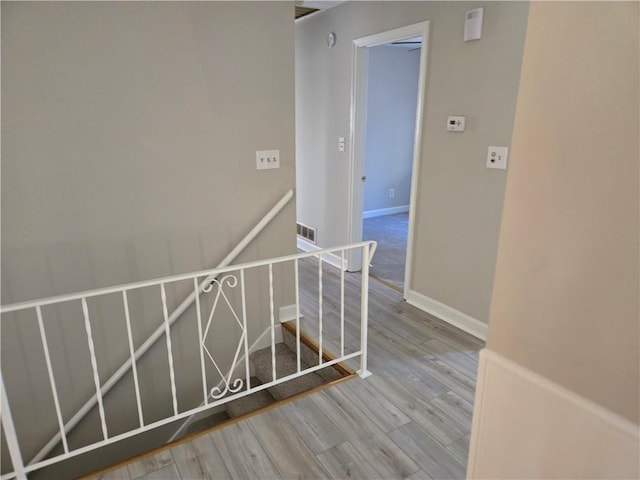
[497,157]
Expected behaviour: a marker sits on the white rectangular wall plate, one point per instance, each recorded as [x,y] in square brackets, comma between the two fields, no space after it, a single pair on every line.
[497,157]
[341,144]
[455,123]
[267,159]
[473,24]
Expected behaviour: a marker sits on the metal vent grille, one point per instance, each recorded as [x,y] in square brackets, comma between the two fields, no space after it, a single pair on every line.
[306,232]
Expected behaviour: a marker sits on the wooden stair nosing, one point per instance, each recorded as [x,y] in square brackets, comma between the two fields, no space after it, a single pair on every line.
[327,356]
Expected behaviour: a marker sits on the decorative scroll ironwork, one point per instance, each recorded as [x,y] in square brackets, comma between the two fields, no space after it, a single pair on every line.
[218,283]
[229,386]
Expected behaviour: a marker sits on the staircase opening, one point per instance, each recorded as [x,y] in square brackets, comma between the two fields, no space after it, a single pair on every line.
[318,340]
[91,464]
[285,365]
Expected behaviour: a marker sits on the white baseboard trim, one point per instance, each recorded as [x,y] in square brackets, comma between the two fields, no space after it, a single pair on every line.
[330,258]
[572,437]
[288,312]
[618,422]
[385,211]
[448,314]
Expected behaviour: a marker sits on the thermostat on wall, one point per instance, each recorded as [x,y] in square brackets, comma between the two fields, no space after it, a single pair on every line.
[473,24]
[455,124]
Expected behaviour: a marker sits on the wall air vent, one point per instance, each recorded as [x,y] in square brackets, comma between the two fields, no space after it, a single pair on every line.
[306,232]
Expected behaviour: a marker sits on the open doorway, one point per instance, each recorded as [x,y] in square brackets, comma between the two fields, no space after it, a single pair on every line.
[392,93]
[388,92]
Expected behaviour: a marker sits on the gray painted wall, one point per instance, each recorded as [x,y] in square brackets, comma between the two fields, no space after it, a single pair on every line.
[129,133]
[565,303]
[459,201]
[392,92]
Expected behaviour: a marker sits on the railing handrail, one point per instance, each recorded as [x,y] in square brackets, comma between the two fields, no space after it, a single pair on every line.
[159,331]
[212,272]
[368,249]
[156,281]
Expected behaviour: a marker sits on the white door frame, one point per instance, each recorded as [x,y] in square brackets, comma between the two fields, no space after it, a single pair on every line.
[358,132]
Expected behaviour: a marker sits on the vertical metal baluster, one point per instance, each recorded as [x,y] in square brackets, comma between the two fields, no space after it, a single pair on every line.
[196,289]
[319,309]
[246,332]
[167,331]
[273,330]
[342,303]
[54,390]
[132,354]
[297,287]
[94,366]
[364,312]
[10,434]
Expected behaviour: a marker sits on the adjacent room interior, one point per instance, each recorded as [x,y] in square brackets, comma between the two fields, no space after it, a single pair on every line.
[392,80]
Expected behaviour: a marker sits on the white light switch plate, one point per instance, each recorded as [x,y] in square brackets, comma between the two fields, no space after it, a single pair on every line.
[267,159]
[455,123]
[497,157]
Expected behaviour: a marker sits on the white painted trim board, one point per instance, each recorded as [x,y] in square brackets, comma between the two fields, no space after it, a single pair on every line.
[330,258]
[355,202]
[448,314]
[527,426]
[385,211]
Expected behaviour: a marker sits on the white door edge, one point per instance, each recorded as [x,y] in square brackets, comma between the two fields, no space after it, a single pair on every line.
[357,127]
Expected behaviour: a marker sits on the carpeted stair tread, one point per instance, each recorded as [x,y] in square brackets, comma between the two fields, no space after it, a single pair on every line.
[251,402]
[309,357]
[286,364]
[293,387]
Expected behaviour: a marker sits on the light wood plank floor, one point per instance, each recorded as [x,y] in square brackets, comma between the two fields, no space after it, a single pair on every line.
[410,419]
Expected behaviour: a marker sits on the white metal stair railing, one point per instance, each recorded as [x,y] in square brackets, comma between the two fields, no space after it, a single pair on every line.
[215,280]
[159,331]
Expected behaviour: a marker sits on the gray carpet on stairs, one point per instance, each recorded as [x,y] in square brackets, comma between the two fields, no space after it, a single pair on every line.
[390,231]
[252,402]
[309,357]
[286,364]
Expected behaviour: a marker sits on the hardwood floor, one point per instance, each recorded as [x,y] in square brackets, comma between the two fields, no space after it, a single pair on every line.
[410,419]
